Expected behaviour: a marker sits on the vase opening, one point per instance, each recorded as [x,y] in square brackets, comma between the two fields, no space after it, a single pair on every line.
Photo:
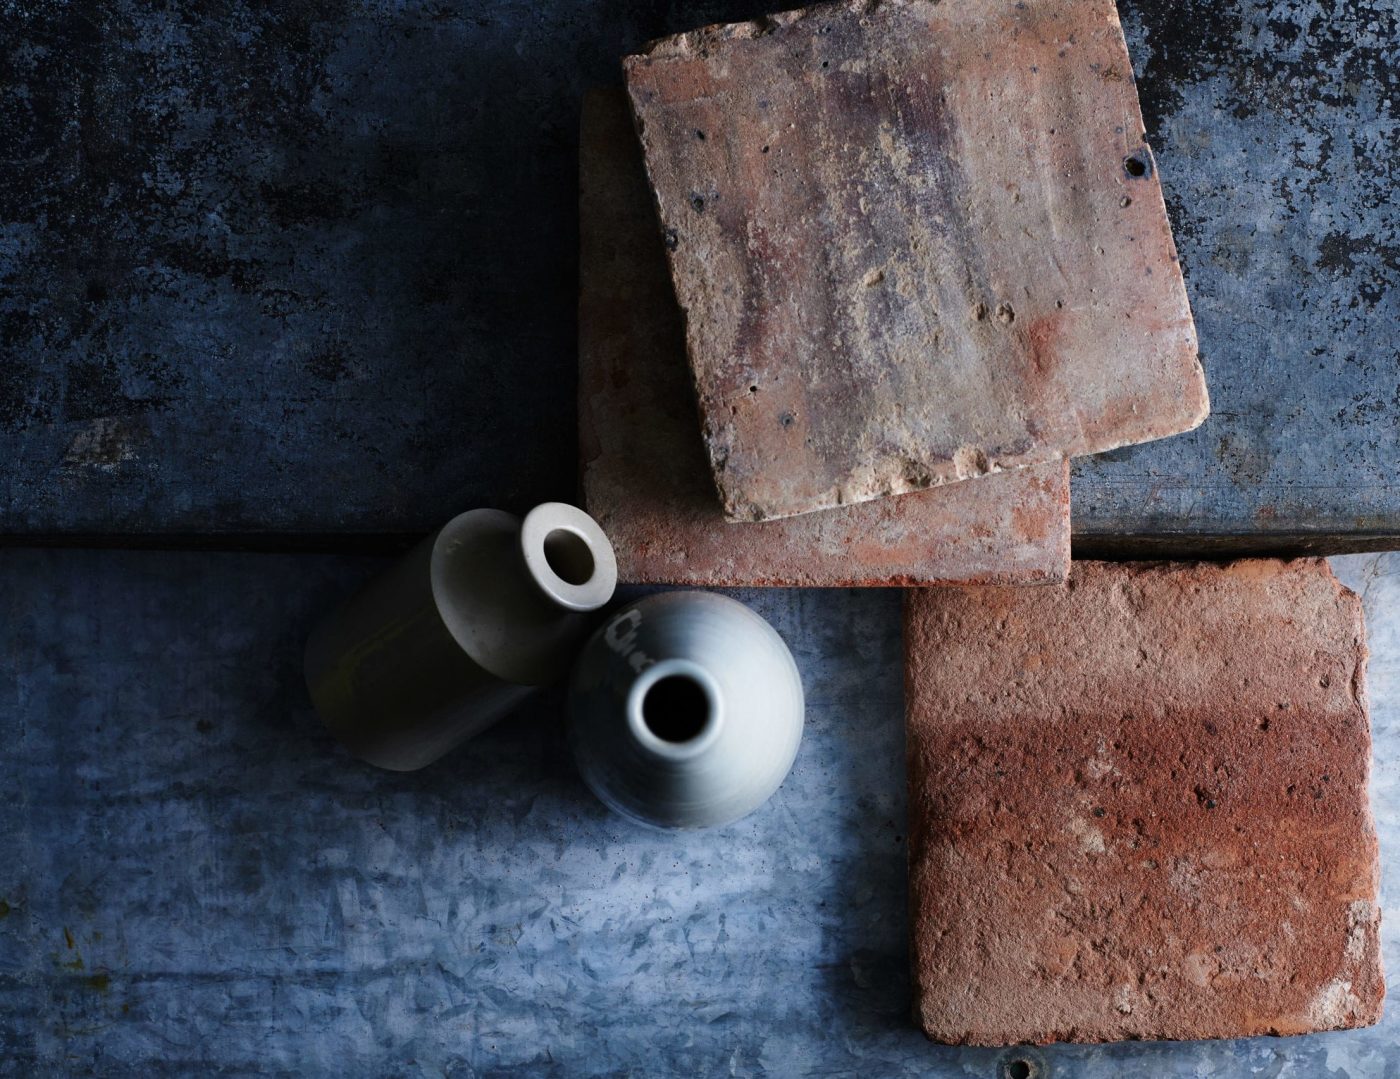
[569,556]
[676,708]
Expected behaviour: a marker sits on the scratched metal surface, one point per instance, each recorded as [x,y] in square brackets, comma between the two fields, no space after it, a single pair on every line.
[309,269]
[194,880]
[1271,123]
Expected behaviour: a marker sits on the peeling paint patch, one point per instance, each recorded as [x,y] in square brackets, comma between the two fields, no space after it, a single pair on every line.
[103,444]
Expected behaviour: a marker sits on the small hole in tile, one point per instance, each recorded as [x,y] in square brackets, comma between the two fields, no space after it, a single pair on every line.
[1136,166]
[1023,1063]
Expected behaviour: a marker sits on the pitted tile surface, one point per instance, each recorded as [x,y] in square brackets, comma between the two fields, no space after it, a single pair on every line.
[1138,806]
[644,472]
[914,243]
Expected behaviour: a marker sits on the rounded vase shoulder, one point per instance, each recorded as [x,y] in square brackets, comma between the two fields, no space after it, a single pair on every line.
[686,710]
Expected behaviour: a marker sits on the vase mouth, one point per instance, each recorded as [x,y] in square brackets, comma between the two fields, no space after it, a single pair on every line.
[675,709]
[568,556]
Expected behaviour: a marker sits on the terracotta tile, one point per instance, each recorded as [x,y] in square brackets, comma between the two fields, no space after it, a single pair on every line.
[644,472]
[915,242]
[1138,806]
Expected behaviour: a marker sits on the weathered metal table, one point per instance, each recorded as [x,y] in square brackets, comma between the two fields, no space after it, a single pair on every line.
[195,880]
[310,271]
[302,276]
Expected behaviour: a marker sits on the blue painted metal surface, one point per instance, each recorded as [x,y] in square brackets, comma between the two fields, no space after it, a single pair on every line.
[310,267]
[1272,124]
[194,880]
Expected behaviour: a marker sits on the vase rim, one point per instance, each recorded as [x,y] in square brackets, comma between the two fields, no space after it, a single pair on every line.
[707,725]
[568,556]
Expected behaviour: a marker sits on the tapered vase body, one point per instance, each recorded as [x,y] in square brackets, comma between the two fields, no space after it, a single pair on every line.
[476,618]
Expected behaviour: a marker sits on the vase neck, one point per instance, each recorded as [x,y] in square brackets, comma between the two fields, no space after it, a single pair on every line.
[567,557]
[675,709]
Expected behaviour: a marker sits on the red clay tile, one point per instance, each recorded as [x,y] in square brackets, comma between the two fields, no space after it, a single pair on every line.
[1138,806]
[644,471]
[915,242]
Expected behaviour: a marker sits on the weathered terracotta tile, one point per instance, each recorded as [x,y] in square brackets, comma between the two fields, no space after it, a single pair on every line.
[915,242]
[644,472]
[1138,806]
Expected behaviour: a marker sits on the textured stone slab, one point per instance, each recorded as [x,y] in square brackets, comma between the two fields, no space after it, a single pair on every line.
[915,242]
[1138,806]
[644,473]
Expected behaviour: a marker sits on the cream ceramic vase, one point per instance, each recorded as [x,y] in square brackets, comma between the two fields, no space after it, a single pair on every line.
[685,710]
[477,617]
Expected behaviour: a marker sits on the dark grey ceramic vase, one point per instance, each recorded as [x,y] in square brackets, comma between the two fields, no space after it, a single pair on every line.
[480,615]
[686,710]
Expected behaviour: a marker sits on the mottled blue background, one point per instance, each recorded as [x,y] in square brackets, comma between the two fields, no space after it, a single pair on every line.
[308,269]
[196,881]
[303,274]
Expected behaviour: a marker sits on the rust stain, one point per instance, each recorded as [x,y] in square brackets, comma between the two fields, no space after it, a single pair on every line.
[1042,334]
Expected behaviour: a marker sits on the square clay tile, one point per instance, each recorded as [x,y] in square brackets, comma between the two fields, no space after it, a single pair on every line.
[914,242]
[644,472]
[1138,806]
